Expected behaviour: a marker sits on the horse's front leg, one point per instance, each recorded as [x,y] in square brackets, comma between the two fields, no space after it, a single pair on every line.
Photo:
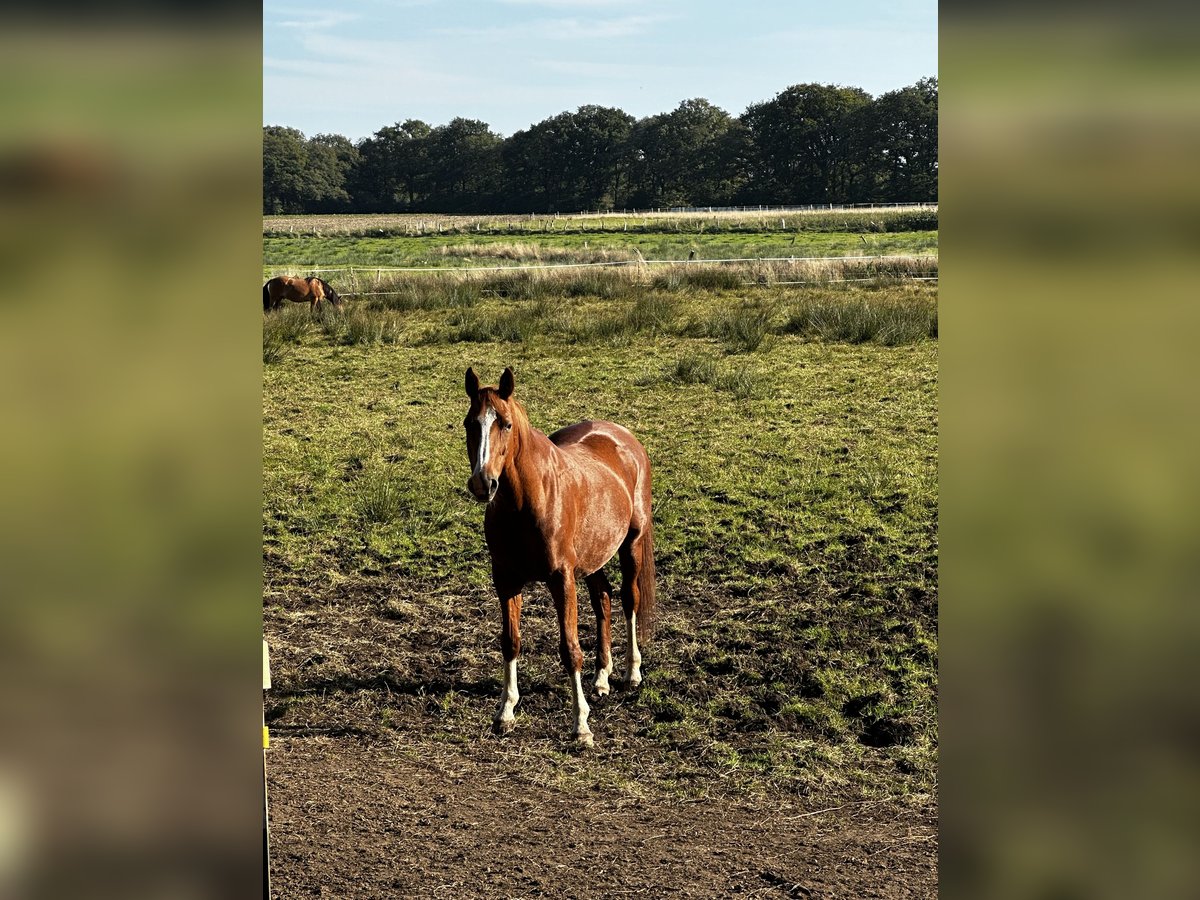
[510,648]
[562,589]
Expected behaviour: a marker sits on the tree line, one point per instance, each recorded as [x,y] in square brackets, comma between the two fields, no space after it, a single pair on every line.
[811,143]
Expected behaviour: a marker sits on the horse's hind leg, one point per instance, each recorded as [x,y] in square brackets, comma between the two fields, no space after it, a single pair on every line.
[631,554]
[601,592]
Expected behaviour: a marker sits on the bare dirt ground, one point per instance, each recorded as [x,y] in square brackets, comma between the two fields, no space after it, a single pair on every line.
[356,818]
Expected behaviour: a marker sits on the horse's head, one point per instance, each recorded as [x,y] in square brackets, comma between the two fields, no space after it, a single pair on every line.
[332,296]
[489,425]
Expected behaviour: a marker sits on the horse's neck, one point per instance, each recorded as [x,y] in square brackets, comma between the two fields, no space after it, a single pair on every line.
[527,462]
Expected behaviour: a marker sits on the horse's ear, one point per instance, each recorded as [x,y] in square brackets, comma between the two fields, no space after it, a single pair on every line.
[507,383]
[472,384]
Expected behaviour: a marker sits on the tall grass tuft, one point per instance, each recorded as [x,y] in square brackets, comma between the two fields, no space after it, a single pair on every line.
[524,285]
[288,325]
[858,320]
[274,349]
[743,328]
[425,294]
[740,382]
[694,368]
[603,283]
[515,323]
[512,326]
[363,326]
[331,322]
[699,277]
[652,312]
[378,498]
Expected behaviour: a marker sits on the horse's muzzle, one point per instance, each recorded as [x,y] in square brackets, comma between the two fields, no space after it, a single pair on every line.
[482,487]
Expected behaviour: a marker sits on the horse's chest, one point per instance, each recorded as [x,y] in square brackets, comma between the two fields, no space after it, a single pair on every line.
[517,543]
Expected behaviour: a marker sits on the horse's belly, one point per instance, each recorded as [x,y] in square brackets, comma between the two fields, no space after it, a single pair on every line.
[606,513]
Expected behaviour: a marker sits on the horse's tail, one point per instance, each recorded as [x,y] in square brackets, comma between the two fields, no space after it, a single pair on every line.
[645,584]
[266,296]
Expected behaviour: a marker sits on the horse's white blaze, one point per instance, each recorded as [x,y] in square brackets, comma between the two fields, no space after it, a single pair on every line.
[581,708]
[510,697]
[633,656]
[486,418]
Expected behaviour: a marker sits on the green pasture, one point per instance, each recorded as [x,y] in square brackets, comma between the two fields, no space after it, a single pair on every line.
[462,241]
[793,437]
[526,227]
[303,252]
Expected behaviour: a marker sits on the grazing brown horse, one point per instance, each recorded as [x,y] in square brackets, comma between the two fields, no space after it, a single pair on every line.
[313,291]
[558,509]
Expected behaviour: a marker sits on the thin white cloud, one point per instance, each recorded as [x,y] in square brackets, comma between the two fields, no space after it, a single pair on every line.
[604,70]
[850,36]
[575,29]
[564,29]
[575,4]
[334,49]
[315,20]
[399,79]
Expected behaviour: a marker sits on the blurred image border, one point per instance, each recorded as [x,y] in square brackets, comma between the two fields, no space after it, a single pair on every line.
[1068,441]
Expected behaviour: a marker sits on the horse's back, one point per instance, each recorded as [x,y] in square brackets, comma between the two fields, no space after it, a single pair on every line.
[591,430]
[607,442]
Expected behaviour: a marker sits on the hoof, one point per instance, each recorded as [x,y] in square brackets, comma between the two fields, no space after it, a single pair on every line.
[602,689]
[633,681]
[584,739]
[503,726]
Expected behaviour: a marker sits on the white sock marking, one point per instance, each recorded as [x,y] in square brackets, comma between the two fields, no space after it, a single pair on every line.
[633,656]
[601,684]
[509,698]
[581,708]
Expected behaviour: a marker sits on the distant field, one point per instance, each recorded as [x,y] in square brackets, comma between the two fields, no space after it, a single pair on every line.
[882,219]
[355,259]
[793,432]
[300,253]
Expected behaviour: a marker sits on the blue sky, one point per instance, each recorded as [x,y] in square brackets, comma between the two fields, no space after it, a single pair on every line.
[351,68]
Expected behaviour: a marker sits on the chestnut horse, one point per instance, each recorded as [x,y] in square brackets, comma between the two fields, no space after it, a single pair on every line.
[558,509]
[313,291]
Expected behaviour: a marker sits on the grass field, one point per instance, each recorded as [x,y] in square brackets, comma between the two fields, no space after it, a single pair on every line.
[871,220]
[302,243]
[793,434]
[288,252]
